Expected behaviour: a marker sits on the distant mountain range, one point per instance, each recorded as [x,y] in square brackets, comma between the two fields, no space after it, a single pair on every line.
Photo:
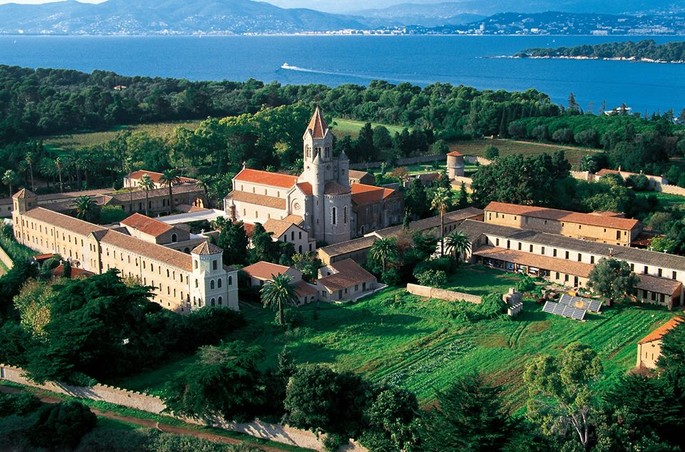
[182,17]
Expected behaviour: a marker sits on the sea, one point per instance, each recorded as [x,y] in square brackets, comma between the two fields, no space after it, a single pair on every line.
[483,62]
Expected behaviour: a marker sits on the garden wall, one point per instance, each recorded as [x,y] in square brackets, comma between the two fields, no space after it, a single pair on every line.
[402,162]
[673,190]
[4,257]
[442,294]
[153,404]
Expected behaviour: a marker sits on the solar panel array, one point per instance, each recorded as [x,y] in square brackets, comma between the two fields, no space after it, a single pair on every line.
[581,303]
[564,310]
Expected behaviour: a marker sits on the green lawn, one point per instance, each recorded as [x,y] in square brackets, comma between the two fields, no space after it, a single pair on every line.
[510,147]
[666,200]
[78,141]
[421,344]
[342,127]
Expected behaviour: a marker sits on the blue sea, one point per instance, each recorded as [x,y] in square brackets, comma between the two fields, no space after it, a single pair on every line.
[476,61]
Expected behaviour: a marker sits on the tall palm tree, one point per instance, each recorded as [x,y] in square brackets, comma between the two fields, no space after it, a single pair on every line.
[147,184]
[169,178]
[384,251]
[277,293]
[458,244]
[441,201]
[30,159]
[9,178]
[85,207]
[59,166]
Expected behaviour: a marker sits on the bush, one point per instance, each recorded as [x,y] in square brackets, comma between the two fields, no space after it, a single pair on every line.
[293,319]
[62,425]
[432,278]
[21,403]
[491,306]
[491,153]
[526,284]
[111,214]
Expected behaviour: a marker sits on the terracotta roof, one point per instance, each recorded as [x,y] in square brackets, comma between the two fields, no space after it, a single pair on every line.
[265,270]
[206,248]
[157,177]
[24,193]
[137,195]
[349,274]
[655,284]
[317,125]
[562,215]
[294,219]
[306,188]
[334,188]
[349,246]
[75,272]
[249,229]
[456,216]
[355,174]
[303,289]
[660,332]
[473,229]
[455,154]
[151,250]
[62,221]
[278,227]
[363,194]
[534,260]
[266,178]
[260,200]
[146,225]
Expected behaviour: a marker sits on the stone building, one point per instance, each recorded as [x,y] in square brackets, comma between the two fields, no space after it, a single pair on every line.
[320,199]
[455,165]
[604,227]
[132,179]
[649,348]
[181,282]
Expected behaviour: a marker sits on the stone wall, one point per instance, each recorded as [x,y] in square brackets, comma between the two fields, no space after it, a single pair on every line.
[673,190]
[153,404]
[440,158]
[4,257]
[442,294]
[475,160]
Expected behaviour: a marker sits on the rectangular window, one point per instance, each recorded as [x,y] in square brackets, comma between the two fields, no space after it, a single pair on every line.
[554,252]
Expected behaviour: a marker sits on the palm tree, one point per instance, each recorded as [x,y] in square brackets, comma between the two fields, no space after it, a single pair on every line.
[441,201]
[458,244]
[85,207]
[59,166]
[277,293]
[169,178]
[9,178]
[147,184]
[384,251]
[30,160]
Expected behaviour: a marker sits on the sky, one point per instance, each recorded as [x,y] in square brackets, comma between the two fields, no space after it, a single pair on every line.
[321,5]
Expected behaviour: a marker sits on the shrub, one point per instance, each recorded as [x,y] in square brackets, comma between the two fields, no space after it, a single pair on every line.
[21,403]
[526,284]
[62,425]
[491,306]
[432,278]
[491,153]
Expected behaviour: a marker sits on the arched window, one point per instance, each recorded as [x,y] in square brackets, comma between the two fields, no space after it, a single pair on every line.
[197,283]
[211,284]
[195,262]
[345,215]
[213,301]
[221,301]
[174,238]
[334,214]
[218,283]
[230,280]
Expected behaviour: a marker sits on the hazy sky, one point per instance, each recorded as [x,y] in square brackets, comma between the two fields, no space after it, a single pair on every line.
[323,5]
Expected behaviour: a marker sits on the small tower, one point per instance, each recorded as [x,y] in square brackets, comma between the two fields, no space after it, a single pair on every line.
[212,285]
[455,165]
[22,201]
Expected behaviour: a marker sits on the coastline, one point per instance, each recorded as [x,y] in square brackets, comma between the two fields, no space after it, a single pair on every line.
[581,57]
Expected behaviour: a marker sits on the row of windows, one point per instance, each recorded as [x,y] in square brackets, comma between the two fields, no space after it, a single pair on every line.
[568,255]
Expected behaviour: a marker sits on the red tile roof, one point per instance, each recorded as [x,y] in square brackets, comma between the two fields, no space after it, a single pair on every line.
[303,289]
[306,188]
[260,200]
[367,194]
[206,248]
[563,215]
[151,250]
[266,178]
[455,154]
[277,227]
[317,125]
[534,260]
[146,225]
[349,274]
[265,270]
[62,221]
[660,332]
[156,177]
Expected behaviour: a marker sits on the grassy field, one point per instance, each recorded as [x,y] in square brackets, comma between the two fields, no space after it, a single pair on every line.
[421,344]
[84,140]
[342,127]
[509,147]
[665,199]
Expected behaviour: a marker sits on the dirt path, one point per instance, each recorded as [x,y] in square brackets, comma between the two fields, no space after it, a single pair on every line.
[148,423]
